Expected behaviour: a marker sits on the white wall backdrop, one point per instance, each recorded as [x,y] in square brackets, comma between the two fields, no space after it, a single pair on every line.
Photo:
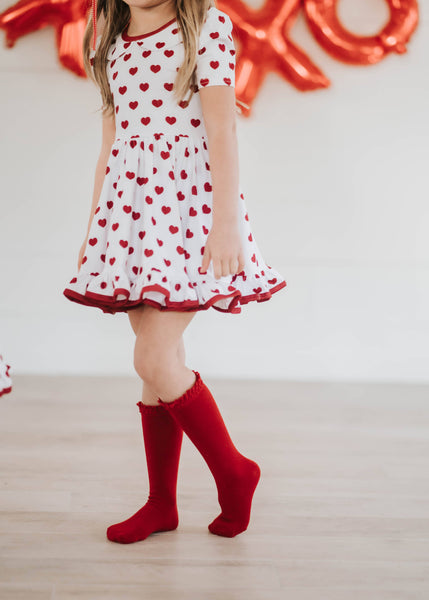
[336,185]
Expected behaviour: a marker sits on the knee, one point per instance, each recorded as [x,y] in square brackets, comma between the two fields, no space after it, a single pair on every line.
[151,363]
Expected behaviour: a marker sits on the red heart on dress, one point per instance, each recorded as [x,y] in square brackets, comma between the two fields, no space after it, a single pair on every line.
[115,152]
[122,89]
[142,180]
[123,243]
[136,216]
[126,208]
[146,53]
[157,103]
[155,68]
[195,122]
[133,105]
[133,70]
[167,262]
[177,286]
[142,234]
[180,250]
[173,229]
[112,260]
[130,174]
[166,209]
[170,120]
[159,189]
[214,64]
[92,241]
[180,196]
[145,120]
[208,187]
[148,252]
[192,212]
[168,86]
[144,86]
[164,154]
[189,233]
[168,53]
[115,226]
[124,124]
[205,229]
[160,242]
[109,204]
[206,209]
[102,222]
[148,199]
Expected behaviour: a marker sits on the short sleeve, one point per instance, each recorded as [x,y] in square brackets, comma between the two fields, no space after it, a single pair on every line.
[216,51]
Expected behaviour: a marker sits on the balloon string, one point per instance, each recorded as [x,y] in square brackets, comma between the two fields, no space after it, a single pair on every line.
[94,22]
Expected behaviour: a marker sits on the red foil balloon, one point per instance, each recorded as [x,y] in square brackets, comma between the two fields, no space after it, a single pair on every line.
[69,18]
[361,50]
[265,46]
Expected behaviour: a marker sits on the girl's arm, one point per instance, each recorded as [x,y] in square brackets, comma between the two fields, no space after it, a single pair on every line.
[223,245]
[108,137]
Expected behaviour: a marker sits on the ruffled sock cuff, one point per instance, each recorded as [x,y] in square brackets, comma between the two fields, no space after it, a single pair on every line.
[187,396]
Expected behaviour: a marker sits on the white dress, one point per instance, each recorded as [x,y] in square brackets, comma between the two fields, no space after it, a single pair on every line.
[154,213]
[5,379]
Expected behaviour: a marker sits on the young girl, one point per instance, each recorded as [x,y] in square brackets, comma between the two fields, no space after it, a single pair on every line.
[169,233]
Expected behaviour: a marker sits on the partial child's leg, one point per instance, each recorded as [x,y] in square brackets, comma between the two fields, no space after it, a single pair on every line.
[186,397]
[162,439]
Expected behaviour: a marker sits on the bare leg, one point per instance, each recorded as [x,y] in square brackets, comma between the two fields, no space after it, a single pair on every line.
[149,396]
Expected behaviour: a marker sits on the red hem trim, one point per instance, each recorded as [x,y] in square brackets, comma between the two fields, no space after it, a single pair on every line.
[130,38]
[110,305]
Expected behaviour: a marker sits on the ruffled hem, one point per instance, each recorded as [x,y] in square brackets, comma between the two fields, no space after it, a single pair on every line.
[111,304]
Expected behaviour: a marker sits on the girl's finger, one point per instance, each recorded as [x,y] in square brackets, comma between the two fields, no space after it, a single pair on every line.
[225,267]
[217,268]
[206,260]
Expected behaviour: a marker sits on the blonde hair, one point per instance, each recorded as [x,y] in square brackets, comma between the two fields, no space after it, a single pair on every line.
[190,15]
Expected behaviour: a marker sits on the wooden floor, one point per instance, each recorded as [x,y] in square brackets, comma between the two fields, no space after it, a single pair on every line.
[341,512]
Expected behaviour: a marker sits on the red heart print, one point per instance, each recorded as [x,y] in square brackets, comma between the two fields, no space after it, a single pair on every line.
[164,154]
[250,238]
[205,229]
[109,204]
[160,242]
[120,193]
[103,285]
[145,120]
[114,76]
[136,215]
[194,190]
[102,222]
[214,35]
[133,143]
[168,86]
[130,174]
[214,64]
[206,209]
[159,189]
[227,80]
[148,252]
[142,234]
[127,208]
[168,53]
[180,196]
[189,233]
[135,270]
[133,70]
[271,281]
[133,106]
[115,152]
[112,260]
[222,47]
[124,124]
[97,209]
[157,103]
[103,257]
[144,86]
[123,243]
[146,53]
[207,186]
[127,56]
[167,262]
[173,229]
[183,174]
[148,200]
[142,180]
[257,290]
[192,212]
[160,44]
[130,250]
[92,241]
[122,89]
[177,286]
[204,82]
[180,250]
[155,68]
[153,221]
[170,120]
[195,122]
[166,209]
[115,226]
[187,255]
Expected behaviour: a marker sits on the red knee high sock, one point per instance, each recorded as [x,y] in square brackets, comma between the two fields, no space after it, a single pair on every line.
[163,441]
[236,476]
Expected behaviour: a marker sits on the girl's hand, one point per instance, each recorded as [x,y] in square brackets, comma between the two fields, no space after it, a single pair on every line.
[81,253]
[223,248]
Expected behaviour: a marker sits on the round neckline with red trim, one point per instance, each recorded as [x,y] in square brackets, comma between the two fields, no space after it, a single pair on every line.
[130,38]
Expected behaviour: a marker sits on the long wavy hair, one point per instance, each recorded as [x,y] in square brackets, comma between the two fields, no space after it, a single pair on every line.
[190,15]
